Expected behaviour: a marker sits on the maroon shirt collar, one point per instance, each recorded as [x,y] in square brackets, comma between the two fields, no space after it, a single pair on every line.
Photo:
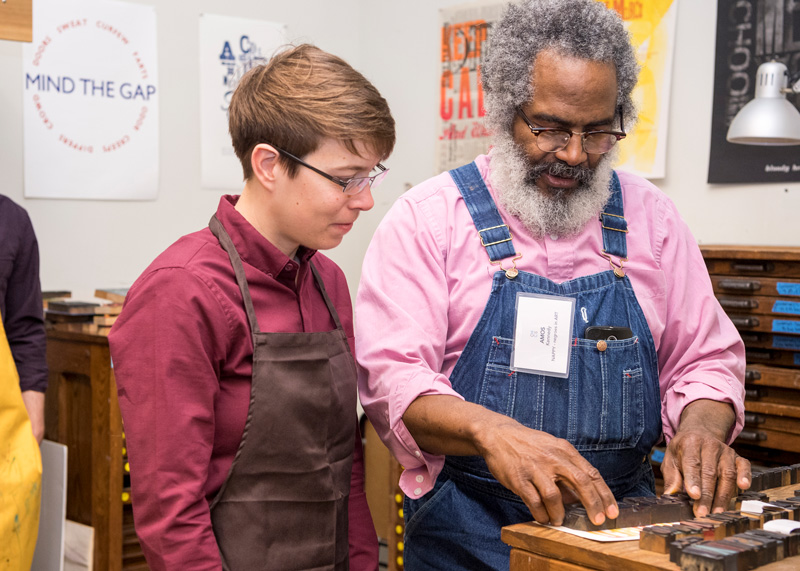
[252,246]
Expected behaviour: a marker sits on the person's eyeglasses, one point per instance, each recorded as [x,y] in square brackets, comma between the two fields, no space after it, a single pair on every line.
[552,140]
[349,186]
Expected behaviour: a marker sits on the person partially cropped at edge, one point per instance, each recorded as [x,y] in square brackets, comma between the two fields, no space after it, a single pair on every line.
[486,443]
[244,458]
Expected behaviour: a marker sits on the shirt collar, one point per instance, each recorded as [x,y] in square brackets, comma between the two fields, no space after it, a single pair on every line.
[252,247]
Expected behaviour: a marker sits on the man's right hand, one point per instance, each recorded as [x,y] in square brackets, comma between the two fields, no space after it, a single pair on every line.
[543,470]
[546,472]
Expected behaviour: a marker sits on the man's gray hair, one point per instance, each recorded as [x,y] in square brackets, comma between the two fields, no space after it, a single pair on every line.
[584,29]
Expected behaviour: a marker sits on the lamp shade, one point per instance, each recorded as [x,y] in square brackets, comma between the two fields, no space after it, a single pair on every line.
[769,119]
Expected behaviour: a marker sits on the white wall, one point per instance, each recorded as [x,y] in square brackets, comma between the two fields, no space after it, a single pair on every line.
[85,244]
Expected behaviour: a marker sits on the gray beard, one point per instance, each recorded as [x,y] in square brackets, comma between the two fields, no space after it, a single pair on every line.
[563,214]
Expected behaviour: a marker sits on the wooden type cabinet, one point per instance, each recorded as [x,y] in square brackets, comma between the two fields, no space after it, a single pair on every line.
[759,288]
[82,412]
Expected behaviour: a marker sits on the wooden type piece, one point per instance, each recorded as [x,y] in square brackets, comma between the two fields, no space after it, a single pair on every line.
[712,529]
[704,557]
[793,508]
[659,538]
[782,548]
[759,551]
[790,543]
[677,547]
[748,495]
[754,552]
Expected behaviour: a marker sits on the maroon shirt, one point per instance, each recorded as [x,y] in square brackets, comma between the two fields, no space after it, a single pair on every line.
[182,353]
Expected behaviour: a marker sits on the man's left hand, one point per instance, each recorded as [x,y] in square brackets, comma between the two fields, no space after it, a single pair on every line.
[698,460]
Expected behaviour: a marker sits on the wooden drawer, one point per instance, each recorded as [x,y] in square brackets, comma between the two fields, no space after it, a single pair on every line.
[773,357]
[759,304]
[760,340]
[759,289]
[786,287]
[760,268]
[767,323]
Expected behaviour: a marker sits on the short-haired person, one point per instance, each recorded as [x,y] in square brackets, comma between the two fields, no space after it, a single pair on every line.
[233,353]
[541,223]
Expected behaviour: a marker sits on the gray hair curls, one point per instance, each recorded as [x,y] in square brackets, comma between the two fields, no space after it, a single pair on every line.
[578,28]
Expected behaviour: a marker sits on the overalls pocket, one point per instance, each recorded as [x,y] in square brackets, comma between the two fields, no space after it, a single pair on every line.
[606,407]
[600,407]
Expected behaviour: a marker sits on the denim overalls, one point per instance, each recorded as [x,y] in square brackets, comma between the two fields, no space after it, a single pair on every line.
[609,408]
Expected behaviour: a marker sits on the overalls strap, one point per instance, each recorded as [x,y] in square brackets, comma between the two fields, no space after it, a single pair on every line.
[494,233]
[613,222]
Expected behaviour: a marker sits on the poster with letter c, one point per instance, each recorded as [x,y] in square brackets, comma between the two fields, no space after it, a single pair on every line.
[229,48]
[90,101]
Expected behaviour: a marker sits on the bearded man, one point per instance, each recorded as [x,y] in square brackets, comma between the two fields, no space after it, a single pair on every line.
[529,326]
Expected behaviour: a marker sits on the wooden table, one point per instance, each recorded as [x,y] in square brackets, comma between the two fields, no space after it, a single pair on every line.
[82,412]
[535,547]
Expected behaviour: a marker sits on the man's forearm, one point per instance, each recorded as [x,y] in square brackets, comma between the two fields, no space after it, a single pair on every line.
[443,424]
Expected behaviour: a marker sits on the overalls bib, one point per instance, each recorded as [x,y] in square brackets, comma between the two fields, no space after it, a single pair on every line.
[284,502]
[609,408]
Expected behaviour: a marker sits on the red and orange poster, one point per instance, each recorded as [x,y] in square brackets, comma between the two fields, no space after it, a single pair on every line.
[465,32]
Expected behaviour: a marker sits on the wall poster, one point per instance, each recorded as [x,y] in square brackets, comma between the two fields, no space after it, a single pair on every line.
[465,31]
[651,24]
[749,33]
[461,132]
[90,101]
[229,47]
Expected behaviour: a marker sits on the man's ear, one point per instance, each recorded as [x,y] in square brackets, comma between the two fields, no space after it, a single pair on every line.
[265,162]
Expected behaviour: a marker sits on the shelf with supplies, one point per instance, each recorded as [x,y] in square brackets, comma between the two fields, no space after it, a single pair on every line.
[759,289]
[82,412]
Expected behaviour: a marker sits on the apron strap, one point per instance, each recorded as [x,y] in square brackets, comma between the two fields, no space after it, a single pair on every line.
[238,269]
[613,223]
[494,233]
[328,302]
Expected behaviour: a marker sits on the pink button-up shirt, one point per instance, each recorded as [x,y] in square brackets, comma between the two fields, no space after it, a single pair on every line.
[426,279]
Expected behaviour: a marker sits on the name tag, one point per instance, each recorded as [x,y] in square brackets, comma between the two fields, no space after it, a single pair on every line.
[543,334]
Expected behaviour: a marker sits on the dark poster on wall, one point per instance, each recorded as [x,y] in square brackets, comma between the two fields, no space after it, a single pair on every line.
[749,33]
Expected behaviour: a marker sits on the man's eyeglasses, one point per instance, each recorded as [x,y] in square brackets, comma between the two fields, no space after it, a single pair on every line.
[552,140]
[349,186]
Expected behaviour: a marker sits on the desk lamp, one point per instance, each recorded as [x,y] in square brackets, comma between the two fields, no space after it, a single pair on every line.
[769,119]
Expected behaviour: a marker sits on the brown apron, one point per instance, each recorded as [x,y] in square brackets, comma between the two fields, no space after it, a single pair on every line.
[284,503]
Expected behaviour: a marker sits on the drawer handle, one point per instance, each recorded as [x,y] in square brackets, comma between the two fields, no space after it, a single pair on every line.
[752,394]
[729,303]
[740,285]
[745,321]
[753,418]
[752,435]
[753,266]
[752,375]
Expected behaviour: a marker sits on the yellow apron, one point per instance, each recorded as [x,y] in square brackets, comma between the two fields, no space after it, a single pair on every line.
[20,470]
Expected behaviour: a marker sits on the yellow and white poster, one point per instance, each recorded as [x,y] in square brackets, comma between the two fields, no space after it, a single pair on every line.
[465,33]
[651,24]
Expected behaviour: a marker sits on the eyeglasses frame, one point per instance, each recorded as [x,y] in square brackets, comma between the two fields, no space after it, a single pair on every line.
[341,182]
[537,130]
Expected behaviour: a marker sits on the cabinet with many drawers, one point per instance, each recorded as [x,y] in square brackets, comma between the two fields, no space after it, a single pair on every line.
[759,288]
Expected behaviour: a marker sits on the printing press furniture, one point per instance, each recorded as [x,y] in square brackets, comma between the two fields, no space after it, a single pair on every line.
[82,412]
[539,548]
[759,288]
